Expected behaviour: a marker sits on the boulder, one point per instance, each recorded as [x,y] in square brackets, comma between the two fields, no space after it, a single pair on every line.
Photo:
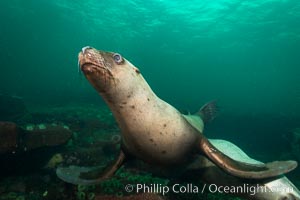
[15,139]
[10,134]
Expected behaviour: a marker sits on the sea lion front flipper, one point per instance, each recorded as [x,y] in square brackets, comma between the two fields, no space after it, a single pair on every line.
[242,169]
[90,175]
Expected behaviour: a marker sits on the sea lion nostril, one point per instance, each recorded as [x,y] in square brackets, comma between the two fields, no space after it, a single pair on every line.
[85,48]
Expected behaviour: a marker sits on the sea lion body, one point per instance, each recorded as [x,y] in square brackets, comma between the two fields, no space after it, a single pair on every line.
[152,129]
[155,138]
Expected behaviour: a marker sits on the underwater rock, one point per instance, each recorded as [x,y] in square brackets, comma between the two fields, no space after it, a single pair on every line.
[15,139]
[24,150]
[111,145]
[19,187]
[45,135]
[11,107]
[55,160]
[9,134]
[80,118]
[85,156]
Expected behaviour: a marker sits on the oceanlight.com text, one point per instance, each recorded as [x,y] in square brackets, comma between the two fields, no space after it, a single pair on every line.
[194,189]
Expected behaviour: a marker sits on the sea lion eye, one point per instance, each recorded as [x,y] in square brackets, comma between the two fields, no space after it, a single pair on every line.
[117,58]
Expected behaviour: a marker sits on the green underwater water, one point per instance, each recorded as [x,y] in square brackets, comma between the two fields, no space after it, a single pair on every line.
[244,54]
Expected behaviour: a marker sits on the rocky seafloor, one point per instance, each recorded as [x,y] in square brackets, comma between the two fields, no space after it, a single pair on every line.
[37,139]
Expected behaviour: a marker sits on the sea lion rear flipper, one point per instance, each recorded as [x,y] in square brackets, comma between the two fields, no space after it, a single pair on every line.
[242,169]
[90,175]
[208,111]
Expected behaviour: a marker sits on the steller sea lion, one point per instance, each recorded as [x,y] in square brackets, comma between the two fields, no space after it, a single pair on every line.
[154,131]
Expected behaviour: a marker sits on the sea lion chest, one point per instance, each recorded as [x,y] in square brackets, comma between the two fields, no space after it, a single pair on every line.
[154,131]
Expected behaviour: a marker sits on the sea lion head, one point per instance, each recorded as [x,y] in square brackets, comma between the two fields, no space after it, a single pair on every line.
[108,72]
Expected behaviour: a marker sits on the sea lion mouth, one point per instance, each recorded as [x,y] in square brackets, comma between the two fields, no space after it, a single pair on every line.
[95,67]
[91,68]
[91,60]
[88,61]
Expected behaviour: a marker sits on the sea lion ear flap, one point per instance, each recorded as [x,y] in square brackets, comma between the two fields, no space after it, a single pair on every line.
[242,169]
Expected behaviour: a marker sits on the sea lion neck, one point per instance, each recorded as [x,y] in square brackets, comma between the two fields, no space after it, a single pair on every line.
[117,80]
[128,100]
[135,93]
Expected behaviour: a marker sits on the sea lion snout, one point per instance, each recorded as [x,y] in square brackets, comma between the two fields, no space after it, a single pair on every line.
[98,66]
[90,59]
[85,48]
